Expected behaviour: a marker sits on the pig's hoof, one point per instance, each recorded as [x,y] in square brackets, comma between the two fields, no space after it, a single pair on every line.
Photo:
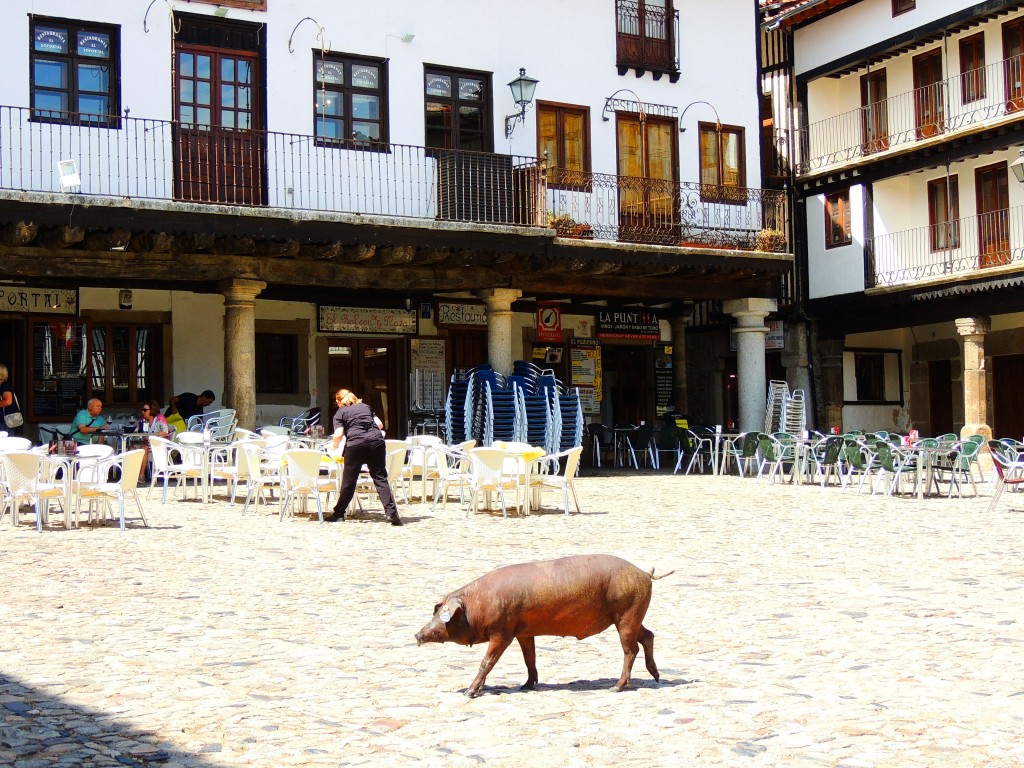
[472,693]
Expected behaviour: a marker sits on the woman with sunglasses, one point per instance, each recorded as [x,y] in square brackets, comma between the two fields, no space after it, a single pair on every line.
[154,424]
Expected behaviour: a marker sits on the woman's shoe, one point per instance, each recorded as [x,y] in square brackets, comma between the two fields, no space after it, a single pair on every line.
[335,516]
[395,519]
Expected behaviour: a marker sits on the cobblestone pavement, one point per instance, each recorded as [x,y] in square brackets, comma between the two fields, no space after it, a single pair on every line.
[801,627]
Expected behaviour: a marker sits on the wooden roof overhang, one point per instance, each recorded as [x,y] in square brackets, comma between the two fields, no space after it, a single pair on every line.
[313,256]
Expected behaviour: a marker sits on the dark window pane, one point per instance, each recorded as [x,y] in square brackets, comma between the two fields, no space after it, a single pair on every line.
[50,74]
[94,105]
[366,131]
[227,69]
[365,107]
[93,78]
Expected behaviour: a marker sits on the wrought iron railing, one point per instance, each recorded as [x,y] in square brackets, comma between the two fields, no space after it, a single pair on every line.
[647,35]
[160,159]
[955,248]
[633,209]
[990,94]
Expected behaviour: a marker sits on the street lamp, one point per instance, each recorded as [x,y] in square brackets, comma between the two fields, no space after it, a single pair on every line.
[522,94]
[1017,166]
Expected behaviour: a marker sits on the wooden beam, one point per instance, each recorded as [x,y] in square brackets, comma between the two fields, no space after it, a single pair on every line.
[61,237]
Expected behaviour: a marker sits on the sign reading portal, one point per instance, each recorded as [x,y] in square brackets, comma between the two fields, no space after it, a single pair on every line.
[51,301]
[628,324]
[366,320]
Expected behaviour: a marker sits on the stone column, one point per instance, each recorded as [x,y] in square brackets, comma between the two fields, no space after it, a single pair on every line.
[796,362]
[750,367]
[679,390]
[973,330]
[240,347]
[499,326]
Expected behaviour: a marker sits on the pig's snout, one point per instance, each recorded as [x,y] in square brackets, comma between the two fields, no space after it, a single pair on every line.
[419,638]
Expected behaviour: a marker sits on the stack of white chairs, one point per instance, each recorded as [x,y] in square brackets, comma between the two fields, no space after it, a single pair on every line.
[795,416]
[775,415]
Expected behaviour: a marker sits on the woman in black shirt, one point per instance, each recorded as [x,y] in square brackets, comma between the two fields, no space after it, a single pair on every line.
[356,424]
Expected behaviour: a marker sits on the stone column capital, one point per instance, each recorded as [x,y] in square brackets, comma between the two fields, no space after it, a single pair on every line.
[750,312]
[973,326]
[499,299]
[241,289]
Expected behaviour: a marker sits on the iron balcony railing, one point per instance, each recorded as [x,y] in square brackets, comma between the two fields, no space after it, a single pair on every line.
[129,157]
[633,209]
[959,247]
[988,95]
[647,35]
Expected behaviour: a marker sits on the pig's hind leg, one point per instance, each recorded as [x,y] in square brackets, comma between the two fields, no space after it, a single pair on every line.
[530,657]
[647,641]
[628,638]
[495,647]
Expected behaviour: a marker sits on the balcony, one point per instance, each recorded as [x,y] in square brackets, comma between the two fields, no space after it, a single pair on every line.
[140,158]
[970,101]
[647,37]
[959,249]
[602,206]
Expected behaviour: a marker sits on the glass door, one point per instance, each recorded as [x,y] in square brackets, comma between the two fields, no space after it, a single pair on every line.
[874,112]
[929,95]
[993,199]
[648,179]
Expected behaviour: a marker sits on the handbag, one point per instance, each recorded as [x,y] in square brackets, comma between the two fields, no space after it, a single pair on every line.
[14,420]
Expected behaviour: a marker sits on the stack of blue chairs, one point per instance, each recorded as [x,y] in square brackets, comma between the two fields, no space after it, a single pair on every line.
[570,410]
[530,405]
[501,414]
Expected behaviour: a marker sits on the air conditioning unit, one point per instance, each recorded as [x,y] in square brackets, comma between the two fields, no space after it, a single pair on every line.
[483,188]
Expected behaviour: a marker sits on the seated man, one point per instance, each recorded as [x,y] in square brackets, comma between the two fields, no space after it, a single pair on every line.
[86,422]
[189,404]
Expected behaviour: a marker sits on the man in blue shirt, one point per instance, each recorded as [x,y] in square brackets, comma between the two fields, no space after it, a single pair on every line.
[87,421]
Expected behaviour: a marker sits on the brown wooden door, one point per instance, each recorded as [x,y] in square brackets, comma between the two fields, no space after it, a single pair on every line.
[1007,404]
[874,112]
[993,199]
[940,397]
[466,349]
[220,152]
[1013,49]
[648,153]
[368,367]
[627,373]
[929,94]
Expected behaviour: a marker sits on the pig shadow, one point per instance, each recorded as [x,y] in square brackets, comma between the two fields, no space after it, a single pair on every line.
[601,684]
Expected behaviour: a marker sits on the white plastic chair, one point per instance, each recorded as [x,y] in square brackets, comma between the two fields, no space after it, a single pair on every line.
[164,469]
[23,472]
[489,473]
[226,464]
[258,475]
[301,478]
[453,469]
[562,479]
[100,488]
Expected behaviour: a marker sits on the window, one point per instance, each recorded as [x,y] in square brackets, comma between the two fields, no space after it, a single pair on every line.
[902,6]
[837,219]
[944,213]
[722,168]
[972,68]
[458,110]
[277,363]
[872,376]
[74,73]
[644,34]
[563,133]
[929,94]
[1013,73]
[121,362]
[351,100]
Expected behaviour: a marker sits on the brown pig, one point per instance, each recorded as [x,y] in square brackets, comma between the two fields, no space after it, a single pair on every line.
[572,596]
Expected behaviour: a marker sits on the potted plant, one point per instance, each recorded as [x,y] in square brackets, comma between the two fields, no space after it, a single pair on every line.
[771,240]
[566,226]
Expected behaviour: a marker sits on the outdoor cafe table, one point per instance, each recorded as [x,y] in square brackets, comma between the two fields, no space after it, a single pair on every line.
[720,445]
[525,458]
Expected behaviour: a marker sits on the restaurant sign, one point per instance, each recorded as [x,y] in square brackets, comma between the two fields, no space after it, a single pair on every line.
[366,320]
[456,313]
[628,324]
[49,301]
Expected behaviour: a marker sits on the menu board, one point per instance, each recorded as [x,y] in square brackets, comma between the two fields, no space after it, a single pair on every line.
[663,379]
[585,361]
[58,369]
[427,377]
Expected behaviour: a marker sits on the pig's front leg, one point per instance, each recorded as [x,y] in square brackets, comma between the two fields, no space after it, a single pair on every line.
[530,657]
[496,647]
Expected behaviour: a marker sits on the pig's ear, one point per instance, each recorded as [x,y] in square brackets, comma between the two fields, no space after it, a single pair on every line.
[450,608]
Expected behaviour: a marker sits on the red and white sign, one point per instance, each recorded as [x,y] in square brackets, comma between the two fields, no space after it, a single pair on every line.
[549,322]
